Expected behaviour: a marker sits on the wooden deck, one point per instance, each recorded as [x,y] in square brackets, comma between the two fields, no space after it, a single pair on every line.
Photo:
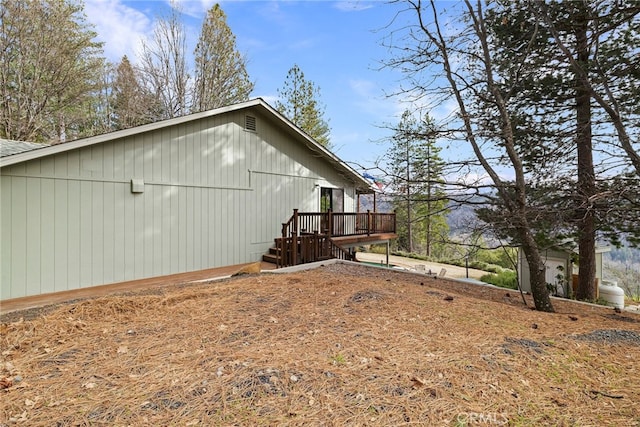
[364,239]
[316,236]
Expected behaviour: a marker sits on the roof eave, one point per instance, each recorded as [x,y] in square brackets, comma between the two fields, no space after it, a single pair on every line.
[358,180]
[85,142]
[340,165]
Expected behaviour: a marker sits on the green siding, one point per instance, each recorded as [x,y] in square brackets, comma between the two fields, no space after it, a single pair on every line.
[214,194]
[34,236]
[6,237]
[73,237]
[60,241]
[108,244]
[19,241]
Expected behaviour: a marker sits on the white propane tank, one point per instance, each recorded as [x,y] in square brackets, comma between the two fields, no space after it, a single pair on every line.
[612,294]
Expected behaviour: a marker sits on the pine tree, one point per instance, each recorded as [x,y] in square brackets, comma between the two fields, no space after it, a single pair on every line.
[50,67]
[451,59]
[432,209]
[221,76]
[132,103]
[417,183]
[571,58]
[299,103]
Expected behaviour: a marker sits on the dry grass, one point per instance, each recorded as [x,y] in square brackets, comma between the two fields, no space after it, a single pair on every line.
[340,345]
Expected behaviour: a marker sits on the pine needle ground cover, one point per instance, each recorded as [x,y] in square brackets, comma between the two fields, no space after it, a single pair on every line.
[336,346]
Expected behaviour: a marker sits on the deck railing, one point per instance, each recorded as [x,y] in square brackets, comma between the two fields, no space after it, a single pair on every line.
[337,224]
[307,236]
[308,248]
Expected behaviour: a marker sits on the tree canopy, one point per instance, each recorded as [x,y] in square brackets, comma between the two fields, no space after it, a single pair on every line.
[56,85]
[299,103]
[46,83]
[575,144]
[132,103]
[547,102]
[417,185]
[164,68]
[221,76]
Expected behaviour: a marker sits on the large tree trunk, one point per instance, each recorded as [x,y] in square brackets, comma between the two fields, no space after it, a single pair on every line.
[512,195]
[539,288]
[531,251]
[586,175]
[429,231]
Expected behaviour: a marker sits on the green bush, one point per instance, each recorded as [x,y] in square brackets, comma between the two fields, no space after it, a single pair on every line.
[378,249]
[478,265]
[460,262]
[501,256]
[504,279]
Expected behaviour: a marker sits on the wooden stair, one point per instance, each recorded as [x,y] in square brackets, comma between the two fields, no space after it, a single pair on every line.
[273,256]
[317,236]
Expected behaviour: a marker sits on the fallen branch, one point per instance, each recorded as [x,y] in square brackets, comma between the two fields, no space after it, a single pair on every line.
[612,396]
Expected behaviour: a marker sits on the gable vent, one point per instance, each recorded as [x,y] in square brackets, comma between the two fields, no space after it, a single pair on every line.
[250,123]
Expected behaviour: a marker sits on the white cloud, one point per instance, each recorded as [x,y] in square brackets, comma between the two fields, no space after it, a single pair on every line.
[195,9]
[363,88]
[374,100]
[352,6]
[120,27]
[303,44]
[445,111]
[269,99]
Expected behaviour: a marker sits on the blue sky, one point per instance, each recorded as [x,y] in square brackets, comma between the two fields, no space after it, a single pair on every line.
[336,44]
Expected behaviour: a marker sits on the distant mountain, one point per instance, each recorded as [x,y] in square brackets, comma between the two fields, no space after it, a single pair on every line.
[622,265]
[624,255]
[383,204]
[460,218]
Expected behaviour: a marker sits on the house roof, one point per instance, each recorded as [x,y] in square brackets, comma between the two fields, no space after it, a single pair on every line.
[19,151]
[570,246]
[11,148]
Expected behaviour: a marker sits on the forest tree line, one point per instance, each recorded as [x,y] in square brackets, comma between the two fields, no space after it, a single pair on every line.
[547,105]
[57,86]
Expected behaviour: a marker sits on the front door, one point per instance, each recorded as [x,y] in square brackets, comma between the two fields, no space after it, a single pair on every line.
[331,198]
[556,276]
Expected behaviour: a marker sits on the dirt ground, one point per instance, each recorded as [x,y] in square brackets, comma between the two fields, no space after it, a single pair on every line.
[341,345]
[410,263]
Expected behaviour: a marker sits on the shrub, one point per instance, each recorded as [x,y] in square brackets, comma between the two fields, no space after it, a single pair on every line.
[502,256]
[504,279]
[377,249]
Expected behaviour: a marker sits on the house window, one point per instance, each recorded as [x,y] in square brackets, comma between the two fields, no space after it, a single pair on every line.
[331,198]
[250,123]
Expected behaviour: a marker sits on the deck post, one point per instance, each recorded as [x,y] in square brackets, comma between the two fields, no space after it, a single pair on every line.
[387,254]
[330,213]
[295,243]
[281,247]
[395,229]
[295,222]
[369,222]
[316,246]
